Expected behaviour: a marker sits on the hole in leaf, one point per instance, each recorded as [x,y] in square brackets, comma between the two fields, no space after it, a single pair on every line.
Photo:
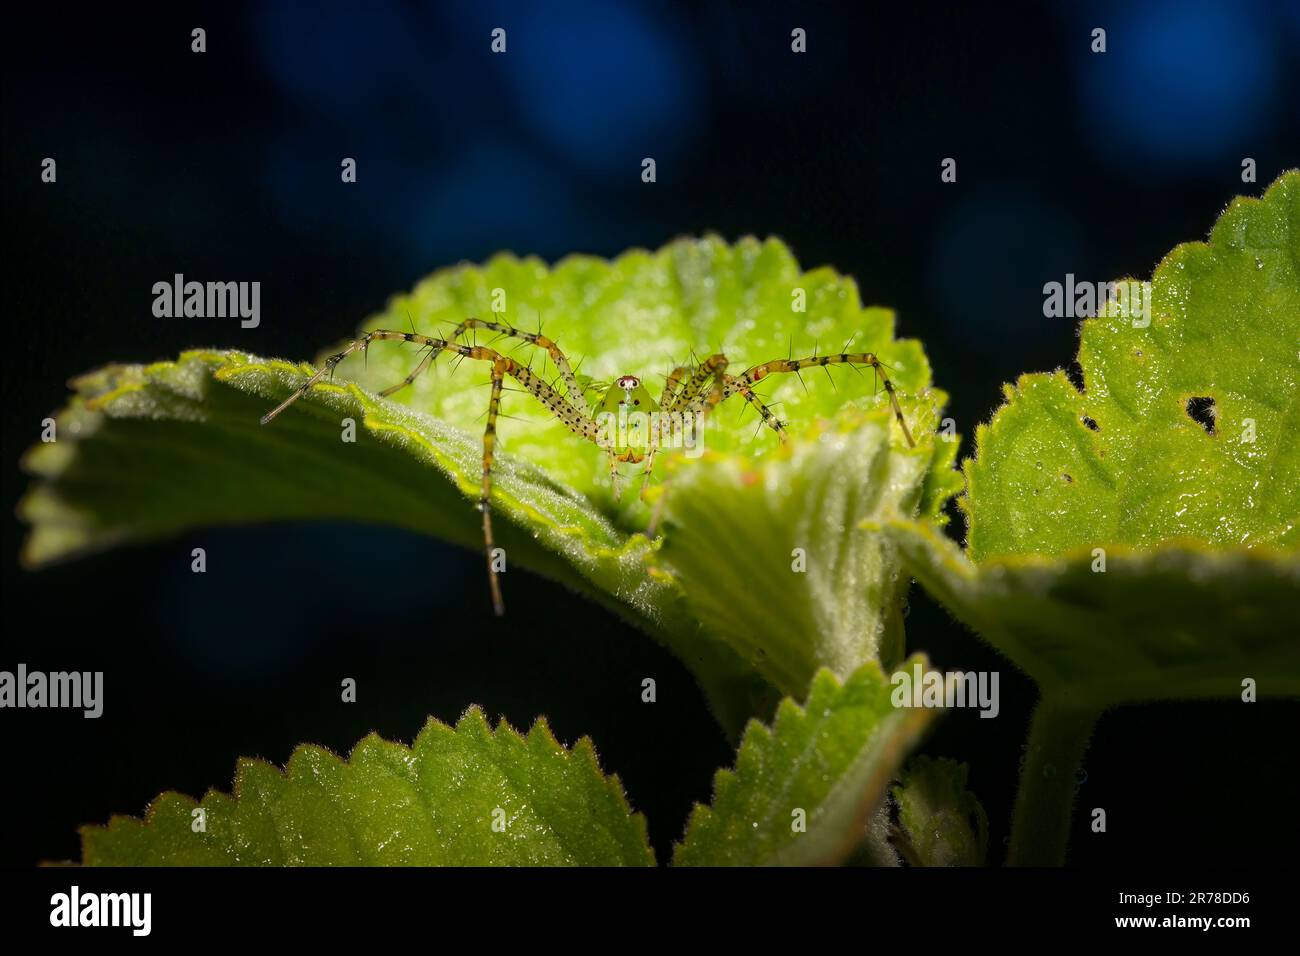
[1074,372]
[1091,424]
[1202,411]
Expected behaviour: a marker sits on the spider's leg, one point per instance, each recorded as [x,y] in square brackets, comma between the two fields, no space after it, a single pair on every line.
[362,343]
[645,473]
[663,492]
[615,479]
[662,420]
[732,387]
[424,363]
[652,445]
[573,417]
[758,372]
[898,411]
[694,398]
[433,354]
[532,338]
[703,404]
[657,513]
[659,421]
[669,398]
[696,395]
[485,496]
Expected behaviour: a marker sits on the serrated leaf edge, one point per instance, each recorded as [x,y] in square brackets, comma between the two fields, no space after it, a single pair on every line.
[758,735]
[473,718]
[1010,392]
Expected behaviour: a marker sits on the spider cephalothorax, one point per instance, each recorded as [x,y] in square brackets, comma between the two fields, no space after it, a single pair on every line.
[625,421]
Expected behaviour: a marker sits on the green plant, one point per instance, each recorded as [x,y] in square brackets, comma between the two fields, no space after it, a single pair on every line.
[777,572]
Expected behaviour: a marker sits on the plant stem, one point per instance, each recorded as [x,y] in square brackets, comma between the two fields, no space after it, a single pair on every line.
[1040,824]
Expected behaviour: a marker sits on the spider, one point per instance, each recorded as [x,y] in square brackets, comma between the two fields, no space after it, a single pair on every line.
[690,393]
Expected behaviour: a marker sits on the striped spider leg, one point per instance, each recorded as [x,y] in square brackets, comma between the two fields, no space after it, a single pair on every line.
[626,391]
[698,397]
[710,385]
[532,338]
[684,397]
[667,404]
[743,383]
[691,400]
[574,416]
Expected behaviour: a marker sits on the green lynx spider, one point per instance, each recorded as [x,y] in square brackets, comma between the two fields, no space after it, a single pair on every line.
[693,389]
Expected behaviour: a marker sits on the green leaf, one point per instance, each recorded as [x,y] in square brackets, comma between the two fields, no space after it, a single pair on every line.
[1224,325]
[1166,623]
[827,764]
[148,451]
[941,822]
[1151,557]
[768,554]
[1163,566]
[433,803]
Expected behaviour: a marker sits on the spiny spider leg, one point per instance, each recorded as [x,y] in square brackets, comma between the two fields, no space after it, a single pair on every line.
[424,363]
[669,397]
[777,366]
[575,419]
[732,387]
[533,338]
[668,400]
[485,495]
[696,397]
[699,397]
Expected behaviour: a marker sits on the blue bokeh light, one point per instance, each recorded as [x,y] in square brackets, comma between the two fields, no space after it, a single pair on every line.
[492,198]
[604,85]
[1182,84]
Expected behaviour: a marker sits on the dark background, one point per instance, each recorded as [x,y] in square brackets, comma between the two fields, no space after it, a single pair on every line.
[226,165]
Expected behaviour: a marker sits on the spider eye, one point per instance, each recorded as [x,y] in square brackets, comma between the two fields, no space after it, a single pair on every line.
[628,382]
